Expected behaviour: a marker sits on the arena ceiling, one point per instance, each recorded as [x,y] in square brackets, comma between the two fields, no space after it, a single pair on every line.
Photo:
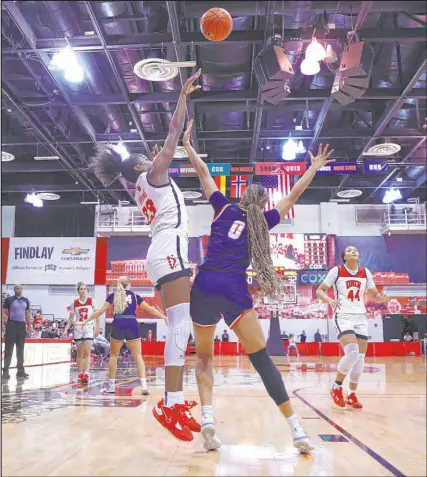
[44,115]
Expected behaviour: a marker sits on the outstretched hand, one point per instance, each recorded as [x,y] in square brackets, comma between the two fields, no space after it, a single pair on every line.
[156,150]
[187,134]
[322,157]
[188,86]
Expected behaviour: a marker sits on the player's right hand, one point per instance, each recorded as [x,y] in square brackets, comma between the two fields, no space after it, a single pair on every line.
[188,86]
[322,157]
[187,134]
[335,304]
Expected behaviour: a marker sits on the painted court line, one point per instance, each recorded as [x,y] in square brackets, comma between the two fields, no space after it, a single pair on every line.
[349,436]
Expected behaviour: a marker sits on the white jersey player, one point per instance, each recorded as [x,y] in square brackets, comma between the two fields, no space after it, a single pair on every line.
[81,308]
[349,282]
[162,203]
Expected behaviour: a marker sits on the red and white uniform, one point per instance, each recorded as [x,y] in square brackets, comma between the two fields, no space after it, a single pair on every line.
[83,310]
[164,208]
[349,288]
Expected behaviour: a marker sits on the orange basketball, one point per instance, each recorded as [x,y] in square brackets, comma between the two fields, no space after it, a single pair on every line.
[216,24]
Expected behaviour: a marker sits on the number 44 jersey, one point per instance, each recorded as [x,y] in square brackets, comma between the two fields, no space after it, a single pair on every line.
[349,287]
[163,206]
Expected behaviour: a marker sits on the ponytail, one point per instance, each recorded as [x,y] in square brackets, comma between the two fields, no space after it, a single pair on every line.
[120,302]
[254,200]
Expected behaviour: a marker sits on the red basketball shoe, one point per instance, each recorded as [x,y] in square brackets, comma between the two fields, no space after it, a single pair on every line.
[80,378]
[186,418]
[352,401]
[337,396]
[170,419]
[85,379]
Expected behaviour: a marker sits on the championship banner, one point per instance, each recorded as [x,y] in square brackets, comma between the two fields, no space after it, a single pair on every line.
[48,261]
[242,169]
[375,167]
[338,168]
[275,168]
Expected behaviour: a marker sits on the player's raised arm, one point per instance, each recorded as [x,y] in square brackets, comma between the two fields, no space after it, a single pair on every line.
[285,205]
[201,168]
[159,173]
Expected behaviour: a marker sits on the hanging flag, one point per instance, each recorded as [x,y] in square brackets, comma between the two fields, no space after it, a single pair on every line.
[221,183]
[238,186]
[277,187]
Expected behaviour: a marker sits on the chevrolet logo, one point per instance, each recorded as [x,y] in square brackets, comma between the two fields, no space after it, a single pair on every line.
[75,251]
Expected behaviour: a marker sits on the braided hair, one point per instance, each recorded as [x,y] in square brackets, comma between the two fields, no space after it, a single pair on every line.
[253,202]
[108,165]
[120,299]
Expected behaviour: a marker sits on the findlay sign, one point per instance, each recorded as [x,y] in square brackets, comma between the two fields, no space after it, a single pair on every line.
[47,261]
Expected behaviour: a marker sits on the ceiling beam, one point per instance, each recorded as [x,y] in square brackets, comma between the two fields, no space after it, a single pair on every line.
[390,111]
[391,173]
[147,40]
[180,56]
[259,100]
[119,78]
[29,167]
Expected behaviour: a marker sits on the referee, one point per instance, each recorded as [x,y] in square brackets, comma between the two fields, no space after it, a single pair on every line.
[17,309]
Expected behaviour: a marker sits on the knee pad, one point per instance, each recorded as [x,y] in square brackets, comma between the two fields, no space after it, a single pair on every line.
[179,330]
[351,355]
[357,369]
[270,376]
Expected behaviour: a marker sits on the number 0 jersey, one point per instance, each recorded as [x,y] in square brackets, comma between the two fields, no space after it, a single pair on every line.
[349,288]
[83,310]
[163,206]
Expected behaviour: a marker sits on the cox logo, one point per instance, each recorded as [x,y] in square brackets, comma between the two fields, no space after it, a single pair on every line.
[316,267]
[312,278]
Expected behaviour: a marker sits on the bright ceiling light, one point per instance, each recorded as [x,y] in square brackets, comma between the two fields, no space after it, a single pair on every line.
[391,195]
[290,149]
[121,149]
[64,59]
[399,179]
[310,67]
[37,202]
[74,74]
[315,51]
[34,199]
[301,149]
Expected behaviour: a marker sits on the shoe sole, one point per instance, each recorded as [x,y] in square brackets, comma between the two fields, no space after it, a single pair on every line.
[303,446]
[208,433]
[170,432]
[145,392]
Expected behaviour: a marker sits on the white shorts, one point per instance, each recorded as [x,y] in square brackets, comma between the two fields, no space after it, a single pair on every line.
[83,334]
[167,258]
[346,323]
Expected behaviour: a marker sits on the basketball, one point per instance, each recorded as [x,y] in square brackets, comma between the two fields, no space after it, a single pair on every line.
[216,24]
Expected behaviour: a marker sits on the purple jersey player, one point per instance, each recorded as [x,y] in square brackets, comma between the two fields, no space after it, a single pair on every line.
[125,327]
[240,235]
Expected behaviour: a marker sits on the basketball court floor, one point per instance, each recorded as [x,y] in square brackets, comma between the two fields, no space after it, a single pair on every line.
[51,427]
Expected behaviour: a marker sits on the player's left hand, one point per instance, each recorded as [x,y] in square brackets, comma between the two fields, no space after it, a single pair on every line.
[383,298]
[187,134]
[322,157]
[188,87]
[156,150]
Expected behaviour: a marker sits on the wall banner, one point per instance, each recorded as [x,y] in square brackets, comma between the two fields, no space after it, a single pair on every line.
[47,261]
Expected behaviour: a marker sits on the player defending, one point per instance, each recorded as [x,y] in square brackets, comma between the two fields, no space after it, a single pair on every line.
[240,234]
[162,203]
[350,282]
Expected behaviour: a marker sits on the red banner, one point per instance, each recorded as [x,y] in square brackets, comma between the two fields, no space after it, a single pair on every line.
[5,242]
[275,168]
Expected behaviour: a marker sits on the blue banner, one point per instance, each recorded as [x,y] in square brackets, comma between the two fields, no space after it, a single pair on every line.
[219,169]
[338,168]
[174,171]
[375,167]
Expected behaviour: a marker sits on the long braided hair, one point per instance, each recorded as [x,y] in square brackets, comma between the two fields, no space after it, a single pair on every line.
[254,199]
[120,301]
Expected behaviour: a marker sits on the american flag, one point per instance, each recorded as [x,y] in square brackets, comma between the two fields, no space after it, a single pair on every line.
[238,186]
[277,187]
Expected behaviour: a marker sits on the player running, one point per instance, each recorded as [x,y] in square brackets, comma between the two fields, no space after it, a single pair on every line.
[240,235]
[350,281]
[81,309]
[162,203]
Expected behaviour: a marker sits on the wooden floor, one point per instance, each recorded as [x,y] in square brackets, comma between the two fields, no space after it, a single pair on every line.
[50,427]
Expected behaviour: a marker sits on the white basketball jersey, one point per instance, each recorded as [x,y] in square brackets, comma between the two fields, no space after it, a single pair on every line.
[350,290]
[84,310]
[163,206]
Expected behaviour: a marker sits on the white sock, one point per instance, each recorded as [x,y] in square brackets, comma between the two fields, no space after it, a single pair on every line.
[293,421]
[112,382]
[172,398]
[207,416]
[143,382]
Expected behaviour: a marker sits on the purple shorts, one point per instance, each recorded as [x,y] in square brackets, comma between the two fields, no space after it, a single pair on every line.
[219,293]
[125,329]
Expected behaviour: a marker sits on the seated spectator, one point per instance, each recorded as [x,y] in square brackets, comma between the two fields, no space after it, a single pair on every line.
[150,336]
[317,336]
[407,337]
[284,336]
[217,338]
[225,337]
[101,345]
[38,320]
[303,337]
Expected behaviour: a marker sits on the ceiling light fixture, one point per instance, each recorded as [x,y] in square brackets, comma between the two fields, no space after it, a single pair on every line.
[7,156]
[67,62]
[34,199]
[310,67]
[121,149]
[391,195]
[315,50]
[290,149]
